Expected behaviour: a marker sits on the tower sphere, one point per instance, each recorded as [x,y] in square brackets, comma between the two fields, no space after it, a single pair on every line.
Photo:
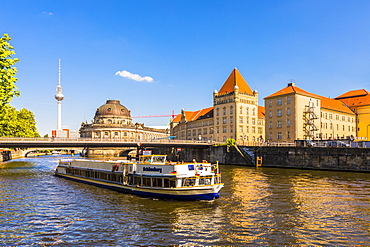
[59,96]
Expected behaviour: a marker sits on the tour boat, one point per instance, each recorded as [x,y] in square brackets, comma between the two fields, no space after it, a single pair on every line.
[151,176]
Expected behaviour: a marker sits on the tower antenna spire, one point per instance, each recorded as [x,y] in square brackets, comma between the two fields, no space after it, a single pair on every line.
[59,97]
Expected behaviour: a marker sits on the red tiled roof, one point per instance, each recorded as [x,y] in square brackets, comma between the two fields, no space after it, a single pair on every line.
[355,98]
[177,118]
[356,101]
[261,111]
[291,90]
[333,104]
[235,79]
[327,103]
[193,115]
[354,93]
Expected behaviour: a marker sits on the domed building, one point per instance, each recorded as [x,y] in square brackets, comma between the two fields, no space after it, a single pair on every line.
[113,120]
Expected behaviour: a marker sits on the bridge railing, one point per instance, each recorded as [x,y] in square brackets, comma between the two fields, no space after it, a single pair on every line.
[96,140]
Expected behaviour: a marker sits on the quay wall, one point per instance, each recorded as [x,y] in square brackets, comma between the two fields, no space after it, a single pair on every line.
[317,158]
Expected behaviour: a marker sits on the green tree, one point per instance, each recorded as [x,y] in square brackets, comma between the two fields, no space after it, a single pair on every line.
[7,71]
[13,123]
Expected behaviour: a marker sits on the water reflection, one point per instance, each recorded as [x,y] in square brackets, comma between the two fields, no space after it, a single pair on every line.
[257,207]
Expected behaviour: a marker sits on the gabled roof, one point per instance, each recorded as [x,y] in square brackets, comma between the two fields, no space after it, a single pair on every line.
[353,93]
[291,89]
[333,104]
[177,118]
[355,98]
[235,79]
[195,115]
[261,111]
[327,103]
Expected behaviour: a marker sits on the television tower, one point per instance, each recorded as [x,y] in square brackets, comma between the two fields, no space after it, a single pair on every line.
[59,97]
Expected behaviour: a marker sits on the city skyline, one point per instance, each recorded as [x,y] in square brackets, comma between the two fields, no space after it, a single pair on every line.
[159,57]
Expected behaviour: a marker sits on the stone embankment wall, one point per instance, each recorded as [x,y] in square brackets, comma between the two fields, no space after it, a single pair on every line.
[318,158]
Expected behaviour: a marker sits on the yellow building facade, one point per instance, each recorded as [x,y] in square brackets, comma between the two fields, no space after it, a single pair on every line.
[235,114]
[294,114]
[359,102]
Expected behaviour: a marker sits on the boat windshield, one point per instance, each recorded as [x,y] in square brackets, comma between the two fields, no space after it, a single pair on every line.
[160,159]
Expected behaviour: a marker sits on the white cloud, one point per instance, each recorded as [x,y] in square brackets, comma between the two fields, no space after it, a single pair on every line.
[135,77]
[47,13]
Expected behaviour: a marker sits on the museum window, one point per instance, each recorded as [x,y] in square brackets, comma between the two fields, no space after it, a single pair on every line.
[279,124]
[253,129]
[270,124]
[270,136]
[240,128]
[247,110]
[224,110]
[288,99]
[247,120]
[270,113]
[224,129]
[217,111]
[279,101]
[231,128]
[231,110]
[231,119]
[224,120]
[288,134]
[241,110]
[253,121]
[253,112]
[270,103]
[288,122]
[279,113]
[240,119]
[288,111]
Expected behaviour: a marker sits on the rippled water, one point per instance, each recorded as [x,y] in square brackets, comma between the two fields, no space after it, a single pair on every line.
[264,206]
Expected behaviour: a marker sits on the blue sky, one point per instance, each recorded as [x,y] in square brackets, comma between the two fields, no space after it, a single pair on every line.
[180,52]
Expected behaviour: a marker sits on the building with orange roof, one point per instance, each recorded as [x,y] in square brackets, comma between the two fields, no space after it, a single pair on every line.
[294,114]
[359,102]
[235,114]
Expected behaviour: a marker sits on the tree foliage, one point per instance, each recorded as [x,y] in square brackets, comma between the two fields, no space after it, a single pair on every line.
[13,123]
[7,71]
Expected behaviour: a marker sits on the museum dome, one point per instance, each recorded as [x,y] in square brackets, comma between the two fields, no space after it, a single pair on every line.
[112,108]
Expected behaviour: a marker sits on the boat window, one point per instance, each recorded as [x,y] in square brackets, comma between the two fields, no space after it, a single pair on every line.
[146,182]
[205,181]
[157,182]
[188,182]
[137,180]
[169,183]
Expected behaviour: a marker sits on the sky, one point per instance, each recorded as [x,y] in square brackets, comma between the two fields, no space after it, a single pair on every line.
[158,57]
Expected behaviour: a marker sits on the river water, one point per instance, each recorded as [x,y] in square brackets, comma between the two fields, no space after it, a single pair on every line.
[264,207]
